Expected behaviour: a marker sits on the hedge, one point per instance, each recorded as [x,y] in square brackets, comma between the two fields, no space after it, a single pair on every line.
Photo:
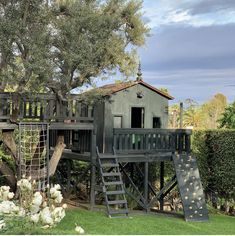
[215,153]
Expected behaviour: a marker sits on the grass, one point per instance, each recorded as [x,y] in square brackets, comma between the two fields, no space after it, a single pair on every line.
[99,223]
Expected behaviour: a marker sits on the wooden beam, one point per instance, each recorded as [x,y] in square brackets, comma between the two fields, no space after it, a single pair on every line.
[146,173]
[93,159]
[161,184]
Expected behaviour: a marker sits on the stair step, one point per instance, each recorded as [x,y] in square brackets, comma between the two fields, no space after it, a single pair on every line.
[107,157]
[111,174]
[113,183]
[109,165]
[115,192]
[117,202]
[125,211]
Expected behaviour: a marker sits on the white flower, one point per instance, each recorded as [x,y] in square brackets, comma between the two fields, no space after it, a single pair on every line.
[44,204]
[59,198]
[10,195]
[8,207]
[4,191]
[65,206]
[58,214]
[37,199]
[56,195]
[2,224]
[45,216]
[57,187]
[79,230]
[21,212]
[34,218]
[34,209]
[5,188]
[24,184]
[45,226]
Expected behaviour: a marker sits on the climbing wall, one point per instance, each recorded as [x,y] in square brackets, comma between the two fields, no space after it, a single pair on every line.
[190,188]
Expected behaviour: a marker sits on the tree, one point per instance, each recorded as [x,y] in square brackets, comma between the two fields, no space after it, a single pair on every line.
[59,45]
[192,115]
[228,117]
[213,110]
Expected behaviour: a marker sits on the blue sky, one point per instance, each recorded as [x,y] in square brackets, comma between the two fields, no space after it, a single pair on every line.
[191,50]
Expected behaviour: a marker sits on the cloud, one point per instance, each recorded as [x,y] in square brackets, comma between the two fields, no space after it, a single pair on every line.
[190,12]
[184,47]
[200,85]
[208,6]
[195,62]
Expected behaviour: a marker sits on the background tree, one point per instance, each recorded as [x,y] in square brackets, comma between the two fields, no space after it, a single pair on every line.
[228,117]
[63,44]
[213,110]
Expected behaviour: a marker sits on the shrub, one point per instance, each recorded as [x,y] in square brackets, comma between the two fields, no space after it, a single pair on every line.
[215,153]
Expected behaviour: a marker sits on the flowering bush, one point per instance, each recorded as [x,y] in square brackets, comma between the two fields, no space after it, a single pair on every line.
[34,206]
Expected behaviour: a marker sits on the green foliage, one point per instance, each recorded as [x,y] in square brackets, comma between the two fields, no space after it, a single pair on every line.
[215,151]
[228,117]
[66,44]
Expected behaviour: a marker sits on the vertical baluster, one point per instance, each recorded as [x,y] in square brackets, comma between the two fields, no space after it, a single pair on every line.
[147,141]
[30,108]
[126,136]
[142,141]
[25,109]
[115,140]
[120,142]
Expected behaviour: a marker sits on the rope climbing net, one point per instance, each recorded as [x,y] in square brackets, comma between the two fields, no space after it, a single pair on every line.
[34,152]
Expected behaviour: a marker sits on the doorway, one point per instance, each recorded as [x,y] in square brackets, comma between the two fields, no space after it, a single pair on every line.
[137,117]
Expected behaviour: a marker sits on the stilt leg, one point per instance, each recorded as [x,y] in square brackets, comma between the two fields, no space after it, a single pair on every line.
[146,169]
[161,184]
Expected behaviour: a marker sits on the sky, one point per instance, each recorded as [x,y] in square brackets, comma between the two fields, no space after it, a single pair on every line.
[191,51]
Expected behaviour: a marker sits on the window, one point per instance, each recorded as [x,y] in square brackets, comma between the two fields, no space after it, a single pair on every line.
[156,122]
[117,122]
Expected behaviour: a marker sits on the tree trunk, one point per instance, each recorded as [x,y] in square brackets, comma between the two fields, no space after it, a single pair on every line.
[53,163]
[59,148]
[8,174]
[9,142]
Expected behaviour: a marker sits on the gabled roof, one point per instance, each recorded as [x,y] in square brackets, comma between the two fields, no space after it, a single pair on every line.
[110,89]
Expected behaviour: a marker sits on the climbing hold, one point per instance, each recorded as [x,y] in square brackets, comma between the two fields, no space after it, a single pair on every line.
[190,207]
[195,212]
[192,201]
[186,197]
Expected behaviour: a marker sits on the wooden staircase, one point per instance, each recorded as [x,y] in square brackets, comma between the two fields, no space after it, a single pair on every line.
[113,188]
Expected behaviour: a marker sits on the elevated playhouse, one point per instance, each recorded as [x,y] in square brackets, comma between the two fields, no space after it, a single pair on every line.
[126,129]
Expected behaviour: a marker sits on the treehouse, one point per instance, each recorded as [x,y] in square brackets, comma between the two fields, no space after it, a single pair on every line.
[129,105]
[118,136]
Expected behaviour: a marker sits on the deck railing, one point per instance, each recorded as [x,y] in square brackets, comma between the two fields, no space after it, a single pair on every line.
[44,107]
[151,140]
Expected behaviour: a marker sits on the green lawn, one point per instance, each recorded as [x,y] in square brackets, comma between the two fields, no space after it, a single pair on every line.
[98,223]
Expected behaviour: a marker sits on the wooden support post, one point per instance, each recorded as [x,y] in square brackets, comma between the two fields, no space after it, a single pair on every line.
[181,115]
[161,184]
[146,182]
[93,170]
